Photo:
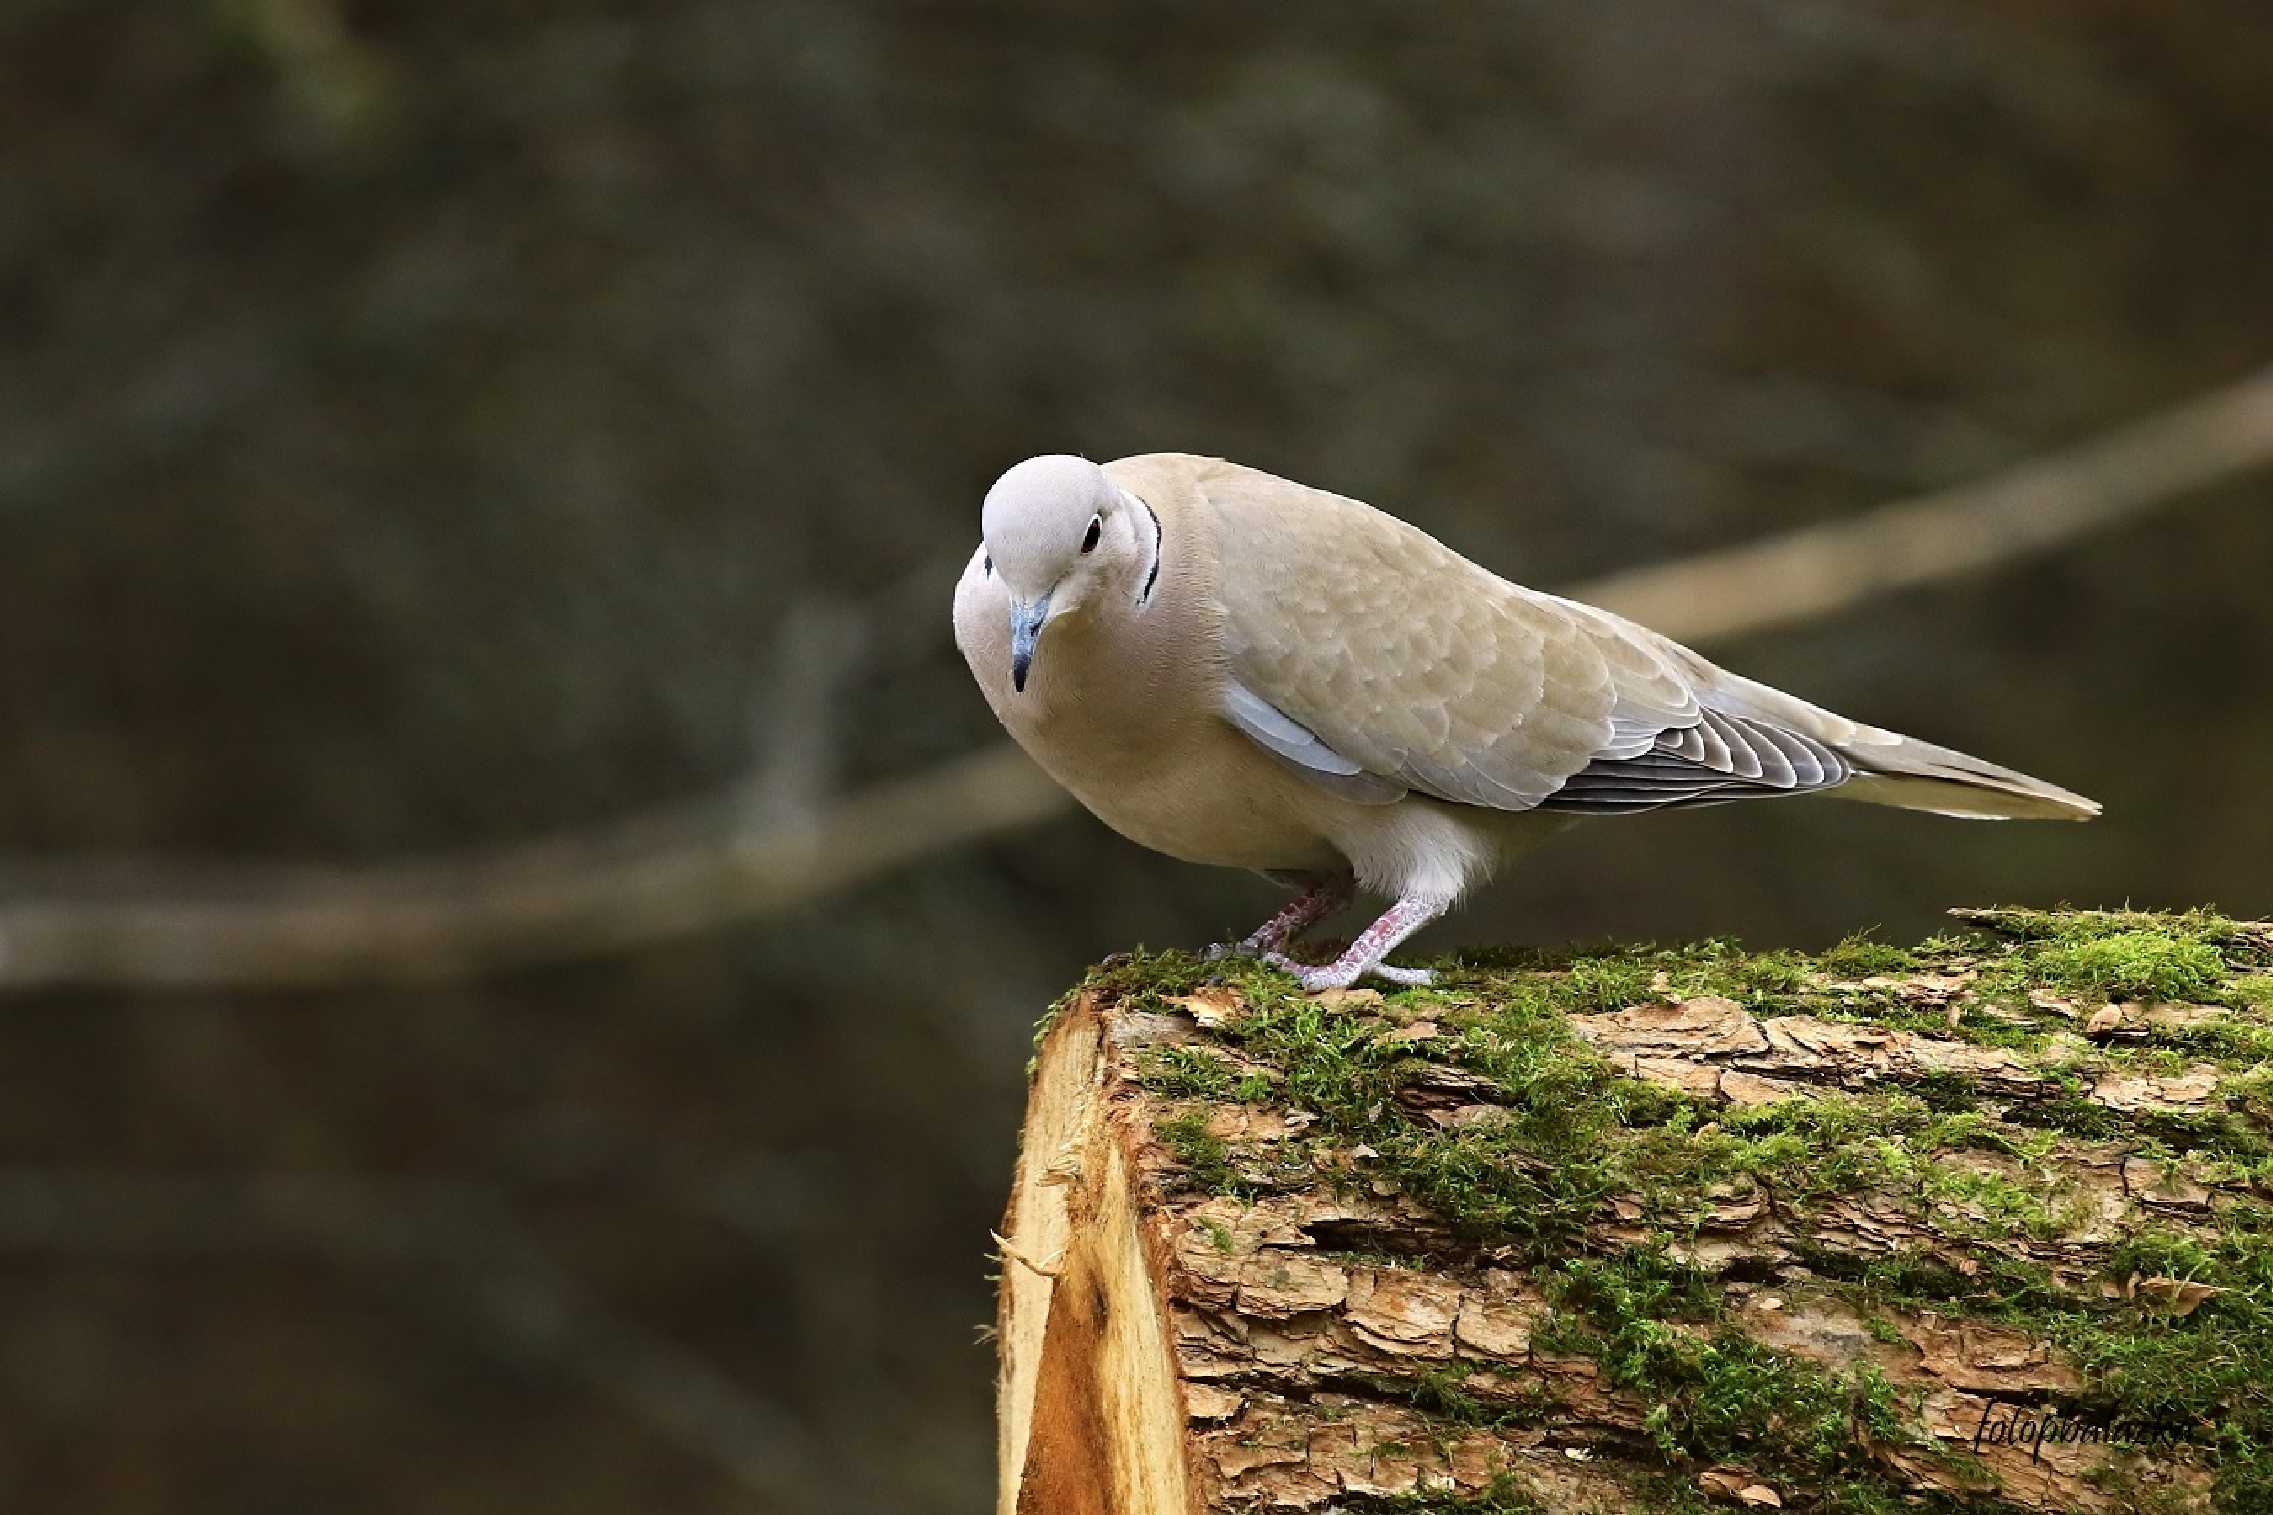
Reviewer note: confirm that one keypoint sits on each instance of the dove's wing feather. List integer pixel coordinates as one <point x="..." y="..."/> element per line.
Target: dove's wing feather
<point x="1404" y="659"/>
<point x="1271" y="729"/>
<point x="1359" y="645"/>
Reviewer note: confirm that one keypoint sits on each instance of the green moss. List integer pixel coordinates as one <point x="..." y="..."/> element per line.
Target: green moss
<point x="1367" y="1257"/>
<point x="2147" y="964"/>
<point x="1441" y="1393"/>
<point x="1997" y="1285"/>
<point x="2204" y="1372"/>
<point x="2045" y="1210"/>
<point x="2251" y="1095"/>
<point x="2067" y="927"/>
<point x="2087" y="958"/>
<point x="1654" y="1327"/>
<point x="1188" y="1071"/>
<point x="1204" y="1157"/>
<point x="2236" y="1134"/>
<point x="1603" y="983"/>
<point x="1502" y="1498"/>
<point x="2143" y="1364"/>
<point x="1950" y="1093"/>
<point x="1859" y="956"/>
<point x="1145" y="976"/>
<point x="1876" y="1499"/>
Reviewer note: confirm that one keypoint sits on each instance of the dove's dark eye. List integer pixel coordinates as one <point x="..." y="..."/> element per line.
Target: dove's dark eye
<point x="1096" y="529"/>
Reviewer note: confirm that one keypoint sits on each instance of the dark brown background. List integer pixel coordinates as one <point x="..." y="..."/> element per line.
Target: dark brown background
<point x="427" y="425"/>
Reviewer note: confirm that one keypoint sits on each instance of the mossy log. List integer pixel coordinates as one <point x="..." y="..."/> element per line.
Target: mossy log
<point x="1984" y="1225"/>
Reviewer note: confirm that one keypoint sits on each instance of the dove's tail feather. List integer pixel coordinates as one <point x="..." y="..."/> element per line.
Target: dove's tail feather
<point x="1915" y="775"/>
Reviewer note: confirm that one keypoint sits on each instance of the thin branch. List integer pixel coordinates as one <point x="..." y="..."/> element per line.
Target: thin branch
<point x="699" y="868"/>
<point x="818" y="647"/>
<point x="2039" y="505"/>
<point x="578" y="895"/>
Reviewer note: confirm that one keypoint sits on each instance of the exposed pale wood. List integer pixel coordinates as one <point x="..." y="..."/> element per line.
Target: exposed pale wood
<point x="1091" y="1416"/>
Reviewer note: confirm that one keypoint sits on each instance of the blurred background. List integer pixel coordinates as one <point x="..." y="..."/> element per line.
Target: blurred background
<point x="460" y="464"/>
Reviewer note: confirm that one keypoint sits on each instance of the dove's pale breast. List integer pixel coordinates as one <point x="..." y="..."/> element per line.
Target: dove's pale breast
<point x="1122" y="707"/>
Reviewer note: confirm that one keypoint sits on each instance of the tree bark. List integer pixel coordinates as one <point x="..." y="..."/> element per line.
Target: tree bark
<point x="1980" y="1226"/>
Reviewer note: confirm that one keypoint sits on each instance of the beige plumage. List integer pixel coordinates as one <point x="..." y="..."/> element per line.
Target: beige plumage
<point x="1236" y="669"/>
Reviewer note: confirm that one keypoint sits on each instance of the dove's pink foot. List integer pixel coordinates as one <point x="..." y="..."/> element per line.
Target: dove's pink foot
<point x="1365" y="956"/>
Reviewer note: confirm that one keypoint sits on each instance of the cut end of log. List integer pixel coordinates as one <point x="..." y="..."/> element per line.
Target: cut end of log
<point x="1983" y="1225"/>
<point x="1091" y="1416"/>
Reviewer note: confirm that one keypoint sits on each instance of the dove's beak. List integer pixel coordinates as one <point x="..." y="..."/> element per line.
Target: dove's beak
<point x="1025" y="625"/>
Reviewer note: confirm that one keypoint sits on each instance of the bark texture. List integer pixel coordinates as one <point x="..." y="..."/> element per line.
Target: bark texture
<point x="1981" y="1225"/>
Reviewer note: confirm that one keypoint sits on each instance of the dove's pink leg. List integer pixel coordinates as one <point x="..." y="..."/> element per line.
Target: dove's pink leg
<point x="1321" y="898"/>
<point x="1365" y="956"/>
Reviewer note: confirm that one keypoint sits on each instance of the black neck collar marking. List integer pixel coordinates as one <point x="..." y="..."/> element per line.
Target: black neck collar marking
<point x="1151" y="578"/>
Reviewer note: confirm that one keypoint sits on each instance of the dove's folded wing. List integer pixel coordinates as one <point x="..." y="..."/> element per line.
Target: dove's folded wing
<point x="1360" y="648"/>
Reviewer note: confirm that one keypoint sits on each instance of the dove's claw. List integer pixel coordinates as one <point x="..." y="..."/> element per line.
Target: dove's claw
<point x="1366" y="953"/>
<point x="1313" y="976"/>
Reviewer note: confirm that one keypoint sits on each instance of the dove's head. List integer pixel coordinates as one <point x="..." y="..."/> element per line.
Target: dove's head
<point x="1063" y="539"/>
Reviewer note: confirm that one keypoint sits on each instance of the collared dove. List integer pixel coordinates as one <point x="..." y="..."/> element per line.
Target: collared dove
<point x="1236" y="669"/>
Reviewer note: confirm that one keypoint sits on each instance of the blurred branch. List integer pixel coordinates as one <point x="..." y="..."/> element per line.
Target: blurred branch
<point x="456" y="1242"/>
<point x="579" y="895"/>
<point x="1821" y="570"/>
<point x="821" y="646"/>
<point x="691" y="870"/>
